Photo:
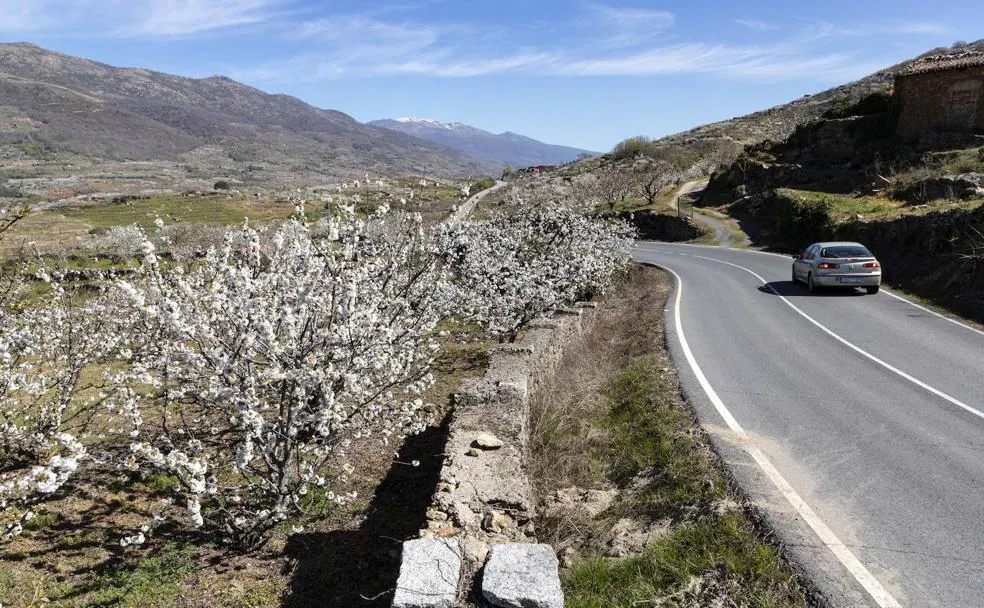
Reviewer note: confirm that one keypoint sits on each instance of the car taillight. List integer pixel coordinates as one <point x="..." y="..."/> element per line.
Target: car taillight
<point x="872" y="265"/>
<point x="828" y="266"/>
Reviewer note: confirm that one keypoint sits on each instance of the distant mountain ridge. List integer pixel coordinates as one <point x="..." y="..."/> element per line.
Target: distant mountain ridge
<point x="97" y="110"/>
<point x="505" y="148"/>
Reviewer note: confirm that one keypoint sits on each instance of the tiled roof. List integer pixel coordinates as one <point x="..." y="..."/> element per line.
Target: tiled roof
<point x="939" y="63"/>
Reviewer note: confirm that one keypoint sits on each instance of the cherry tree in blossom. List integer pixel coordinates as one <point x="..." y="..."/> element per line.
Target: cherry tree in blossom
<point x="274" y="353"/>
<point x="48" y="404"/>
<point x="538" y="254"/>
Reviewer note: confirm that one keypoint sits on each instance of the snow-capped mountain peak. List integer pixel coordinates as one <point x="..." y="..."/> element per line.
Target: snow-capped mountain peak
<point x="505" y="148"/>
<point x="430" y="122"/>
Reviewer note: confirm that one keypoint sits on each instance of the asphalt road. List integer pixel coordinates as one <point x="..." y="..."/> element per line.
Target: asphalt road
<point x="868" y="409"/>
<point x="466" y="208"/>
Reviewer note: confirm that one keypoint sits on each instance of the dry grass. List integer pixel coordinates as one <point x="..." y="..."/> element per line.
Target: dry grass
<point x="567" y="413"/>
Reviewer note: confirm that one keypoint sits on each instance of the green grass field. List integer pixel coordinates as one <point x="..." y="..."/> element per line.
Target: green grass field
<point x="62" y="228"/>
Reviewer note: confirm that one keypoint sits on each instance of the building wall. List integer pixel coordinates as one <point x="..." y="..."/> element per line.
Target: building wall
<point x="951" y="100"/>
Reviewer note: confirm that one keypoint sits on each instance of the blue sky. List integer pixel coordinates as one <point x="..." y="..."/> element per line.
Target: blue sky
<point x="584" y="73"/>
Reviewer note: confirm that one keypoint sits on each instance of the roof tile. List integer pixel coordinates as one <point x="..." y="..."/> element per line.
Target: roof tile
<point x="940" y="63"/>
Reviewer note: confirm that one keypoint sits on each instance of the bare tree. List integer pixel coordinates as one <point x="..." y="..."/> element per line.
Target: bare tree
<point x="653" y="177"/>
<point x="614" y="185"/>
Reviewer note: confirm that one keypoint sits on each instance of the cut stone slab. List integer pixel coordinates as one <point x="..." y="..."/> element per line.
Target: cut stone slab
<point x="522" y="576"/>
<point x="429" y="573"/>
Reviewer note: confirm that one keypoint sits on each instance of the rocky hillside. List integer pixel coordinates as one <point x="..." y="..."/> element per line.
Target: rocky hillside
<point x="505" y="148"/>
<point x="58" y="103"/>
<point x="721" y="142"/>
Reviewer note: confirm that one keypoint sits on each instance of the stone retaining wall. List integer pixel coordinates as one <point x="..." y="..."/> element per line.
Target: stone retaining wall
<point x="482" y="513"/>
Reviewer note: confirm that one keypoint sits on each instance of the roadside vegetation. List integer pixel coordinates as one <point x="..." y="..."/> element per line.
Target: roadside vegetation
<point x="654" y="519"/>
<point x="260" y="421"/>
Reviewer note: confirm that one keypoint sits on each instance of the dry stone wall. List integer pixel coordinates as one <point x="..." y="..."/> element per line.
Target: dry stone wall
<point x="484" y="505"/>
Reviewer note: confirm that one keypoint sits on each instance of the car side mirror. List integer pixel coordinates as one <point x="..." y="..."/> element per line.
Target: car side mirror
<point x="797" y="256"/>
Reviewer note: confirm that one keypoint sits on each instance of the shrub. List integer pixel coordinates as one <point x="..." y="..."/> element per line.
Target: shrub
<point x="632" y="147"/>
<point x="876" y="103"/>
<point x="482" y="184"/>
<point x="221" y="185"/>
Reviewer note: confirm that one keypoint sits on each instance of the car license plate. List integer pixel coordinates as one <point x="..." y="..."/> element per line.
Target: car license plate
<point x="849" y="279"/>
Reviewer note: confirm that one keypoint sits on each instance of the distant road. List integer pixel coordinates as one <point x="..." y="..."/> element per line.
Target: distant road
<point x="722" y="236"/>
<point x="466" y="208"/>
<point x="856" y="422"/>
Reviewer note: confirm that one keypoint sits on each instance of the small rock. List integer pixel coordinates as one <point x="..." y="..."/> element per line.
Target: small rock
<point x="522" y="575"/>
<point x="464" y="516"/>
<point x="495" y="522"/>
<point x="435" y="515"/>
<point x="488" y="441"/>
<point x="475" y="550"/>
<point x="473" y="452"/>
<point x="445" y="487"/>
<point x="437" y="526"/>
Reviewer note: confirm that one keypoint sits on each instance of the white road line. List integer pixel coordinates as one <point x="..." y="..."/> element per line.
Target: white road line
<point x="860" y="573"/>
<point x="884" y="291"/>
<point x="853" y="347"/>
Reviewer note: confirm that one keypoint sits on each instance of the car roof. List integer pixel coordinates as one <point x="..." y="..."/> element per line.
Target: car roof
<point x="839" y="244"/>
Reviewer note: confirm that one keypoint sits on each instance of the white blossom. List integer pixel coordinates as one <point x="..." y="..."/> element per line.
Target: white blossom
<point x="274" y="350"/>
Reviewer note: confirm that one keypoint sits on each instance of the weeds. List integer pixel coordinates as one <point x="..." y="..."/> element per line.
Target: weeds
<point x="153" y="581"/>
<point x="716" y="561"/>
<point x="653" y="434"/>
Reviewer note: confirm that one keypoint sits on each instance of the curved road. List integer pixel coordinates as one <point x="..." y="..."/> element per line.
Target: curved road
<point x="722" y="236"/>
<point x="468" y="206"/>
<point x="855" y="422"/>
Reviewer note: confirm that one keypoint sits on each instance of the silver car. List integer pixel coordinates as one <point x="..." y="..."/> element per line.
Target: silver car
<point x="837" y="264"/>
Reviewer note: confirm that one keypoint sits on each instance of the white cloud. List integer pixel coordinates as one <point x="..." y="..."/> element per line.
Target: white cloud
<point x="184" y="17"/>
<point x="456" y="68"/>
<point x="313" y="67"/>
<point x="775" y="62"/>
<point x="597" y="39"/>
<point x="825" y="29"/>
<point x="629" y="18"/>
<point x="620" y="27"/>
<point x="754" y="24"/>
<point x="133" y="18"/>
<point x="29" y="15"/>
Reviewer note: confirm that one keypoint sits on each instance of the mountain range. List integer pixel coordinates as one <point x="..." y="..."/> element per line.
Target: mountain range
<point x="63" y="104"/>
<point x="505" y="148"/>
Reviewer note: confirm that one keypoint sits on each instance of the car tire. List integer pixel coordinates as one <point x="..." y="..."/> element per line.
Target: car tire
<point x="872" y="290"/>
<point x="810" y="285"/>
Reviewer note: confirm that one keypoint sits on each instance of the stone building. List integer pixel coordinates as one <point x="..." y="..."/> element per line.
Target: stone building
<point x="942" y="93"/>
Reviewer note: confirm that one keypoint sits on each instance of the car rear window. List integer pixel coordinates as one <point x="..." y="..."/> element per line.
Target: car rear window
<point x="845" y="251"/>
